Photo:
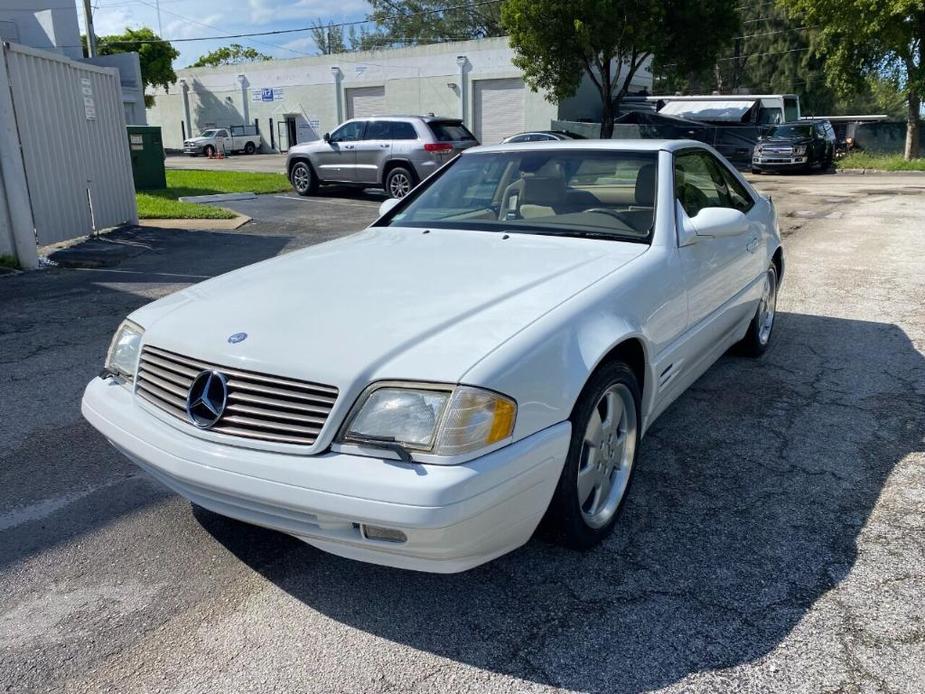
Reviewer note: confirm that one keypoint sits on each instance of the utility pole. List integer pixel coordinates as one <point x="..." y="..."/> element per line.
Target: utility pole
<point x="160" y="29"/>
<point x="91" y="36"/>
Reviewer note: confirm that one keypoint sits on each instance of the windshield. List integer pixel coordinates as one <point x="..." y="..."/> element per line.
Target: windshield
<point x="589" y="193"/>
<point x="208" y="133"/>
<point x="791" y="131"/>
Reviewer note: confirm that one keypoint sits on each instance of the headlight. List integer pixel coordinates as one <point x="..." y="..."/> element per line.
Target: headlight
<point x="799" y="149"/>
<point x="123" y="351"/>
<point x="442" y="420"/>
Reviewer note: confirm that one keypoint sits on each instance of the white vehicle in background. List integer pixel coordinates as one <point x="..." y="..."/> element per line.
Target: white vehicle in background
<point x="237" y="138"/>
<point x="489" y="353"/>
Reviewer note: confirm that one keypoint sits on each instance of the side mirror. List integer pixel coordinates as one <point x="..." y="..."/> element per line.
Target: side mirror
<point x="387" y="205"/>
<point x="326" y="137"/>
<point x="719" y="221"/>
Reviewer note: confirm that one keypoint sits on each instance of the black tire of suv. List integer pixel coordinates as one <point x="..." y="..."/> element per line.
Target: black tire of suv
<point x="249" y="148"/>
<point x="306" y="169"/>
<point x="394" y="174"/>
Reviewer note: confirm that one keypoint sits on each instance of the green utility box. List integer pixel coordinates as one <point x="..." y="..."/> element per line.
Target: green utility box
<point x="147" y="150"/>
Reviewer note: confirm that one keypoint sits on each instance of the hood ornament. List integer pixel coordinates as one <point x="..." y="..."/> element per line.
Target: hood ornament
<point x="237" y="337"/>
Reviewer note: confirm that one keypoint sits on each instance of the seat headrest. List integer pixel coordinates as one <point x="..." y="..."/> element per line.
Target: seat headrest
<point x="645" y="185"/>
<point x="543" y="190"/>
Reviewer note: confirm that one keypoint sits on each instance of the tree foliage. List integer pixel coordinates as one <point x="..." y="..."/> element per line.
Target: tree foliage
<point x="155" y="55"/>
<point x="328" y="38"/>
<point x="235" y="54"/>
<point x="412" y="22"/>
<point x="860" y="40"/>
<point x="557" y="43"/>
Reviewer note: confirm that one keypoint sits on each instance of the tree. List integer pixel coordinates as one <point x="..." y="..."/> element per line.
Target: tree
<point x="234" y="54"/>
<point x="328" y="38"/>
<point x="556" y="42"/>
<point x="862" y="40"/>
<point x="411" y="22"/>
<point x="155" y="55"/>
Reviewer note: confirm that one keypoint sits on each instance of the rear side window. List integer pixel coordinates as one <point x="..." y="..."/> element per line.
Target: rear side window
<point x="378" y="130"/>
<point x="402" y="131"/>
<point x="449" y="131"/>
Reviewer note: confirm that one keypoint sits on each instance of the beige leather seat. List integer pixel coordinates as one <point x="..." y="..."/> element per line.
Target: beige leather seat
<point x="535" y="194"/>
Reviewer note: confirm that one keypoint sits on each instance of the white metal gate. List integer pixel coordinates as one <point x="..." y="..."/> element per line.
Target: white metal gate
<point x="499" y="109"/>
<point x="71" y="127"/>
<point x="363" y="102"/>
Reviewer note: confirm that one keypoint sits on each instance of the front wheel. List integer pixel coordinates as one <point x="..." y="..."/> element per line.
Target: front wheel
<point x="209" y="151"/>
<point x="760" y="331"/>
<point x="599" y="465"/>
<point x="303" y="178"/>
<point x="399" y="182"/>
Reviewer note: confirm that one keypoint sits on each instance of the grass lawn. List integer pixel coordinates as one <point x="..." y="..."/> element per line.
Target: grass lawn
<point x="163" y="204"/>
<point x="883" y="162"/>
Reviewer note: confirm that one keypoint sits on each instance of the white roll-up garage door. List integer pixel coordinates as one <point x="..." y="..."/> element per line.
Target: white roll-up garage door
<point x="499" y="109"/>
<point x="363" y="102"/>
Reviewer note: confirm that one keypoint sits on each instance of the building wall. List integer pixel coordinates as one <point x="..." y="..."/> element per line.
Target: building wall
<point x="46" y="24"/>
<point x="417" y="80"/>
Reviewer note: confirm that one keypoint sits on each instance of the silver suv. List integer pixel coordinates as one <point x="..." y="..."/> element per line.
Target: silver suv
<point x="391" y="152"/>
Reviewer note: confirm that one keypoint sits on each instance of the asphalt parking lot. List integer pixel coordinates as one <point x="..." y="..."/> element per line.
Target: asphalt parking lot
<point x="774" y="539"/>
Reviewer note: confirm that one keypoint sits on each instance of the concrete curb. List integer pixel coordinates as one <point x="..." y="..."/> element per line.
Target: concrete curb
<point x="218" y="197"/>
<point x="877" y="172"/>
<point x="194" y="224"/>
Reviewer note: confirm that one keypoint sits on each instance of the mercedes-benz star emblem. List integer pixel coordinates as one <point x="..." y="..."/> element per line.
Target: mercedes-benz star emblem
<point x="207" y="398"/>
<point x="237" y="337"/>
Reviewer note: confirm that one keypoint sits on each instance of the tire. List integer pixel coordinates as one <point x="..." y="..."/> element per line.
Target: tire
<point x="760" y="333"/>
<point x="209" y="151"/>
<point x="611" y="395"/>
<point x="303" y="178"/>
<point x="249" y="148"/>
<point x="755" y="171"/>
<point x="399" y="182"/>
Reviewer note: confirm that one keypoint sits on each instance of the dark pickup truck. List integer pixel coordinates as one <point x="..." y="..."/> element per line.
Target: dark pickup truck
<point x="799" y="145"/>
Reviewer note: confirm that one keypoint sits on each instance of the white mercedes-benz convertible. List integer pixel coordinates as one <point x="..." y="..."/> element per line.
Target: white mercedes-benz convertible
<point x="486" y="356"/>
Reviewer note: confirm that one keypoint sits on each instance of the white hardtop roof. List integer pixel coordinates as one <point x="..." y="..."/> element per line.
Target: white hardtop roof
<point x="637" y="145"/>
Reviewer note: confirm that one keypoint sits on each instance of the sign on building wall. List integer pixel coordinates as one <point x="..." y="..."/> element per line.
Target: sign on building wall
<point x="86" y="89"/>
<point x="267" y="94"/>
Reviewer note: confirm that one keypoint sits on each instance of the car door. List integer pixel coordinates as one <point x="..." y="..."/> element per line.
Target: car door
<point x="336" y="161"/>
<point x="717" y="270"/>
<point x="373" y="151"/>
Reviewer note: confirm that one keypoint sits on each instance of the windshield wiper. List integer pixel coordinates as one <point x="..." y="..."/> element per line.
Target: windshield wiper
<point x="386" y="443"/>
<point x="576" y="233"/>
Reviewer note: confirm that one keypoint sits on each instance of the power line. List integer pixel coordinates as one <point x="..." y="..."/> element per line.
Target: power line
<point x="278" y="32"/>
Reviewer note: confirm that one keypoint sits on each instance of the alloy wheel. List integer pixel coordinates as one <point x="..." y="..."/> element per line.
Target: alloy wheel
<point x="607" y="454"/>
<point x="767" y="307"/>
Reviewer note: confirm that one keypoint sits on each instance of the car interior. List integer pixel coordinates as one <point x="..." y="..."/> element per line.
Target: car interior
<point x="615" y="193"/>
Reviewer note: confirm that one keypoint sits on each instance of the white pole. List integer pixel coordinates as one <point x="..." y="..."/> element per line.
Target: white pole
<point x="14" y="176"/>
<point x="91" y="36"/>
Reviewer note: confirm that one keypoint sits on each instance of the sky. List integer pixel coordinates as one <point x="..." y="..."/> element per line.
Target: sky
<point x="196" y="18"/>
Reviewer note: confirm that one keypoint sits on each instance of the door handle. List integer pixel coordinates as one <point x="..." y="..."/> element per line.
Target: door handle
<point x="752" y="245"/>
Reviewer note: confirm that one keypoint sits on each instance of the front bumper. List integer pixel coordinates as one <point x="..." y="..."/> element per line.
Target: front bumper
<point x="771" y="162"/>
<point x="192" y="149"/>
<point x="454" y="517"/>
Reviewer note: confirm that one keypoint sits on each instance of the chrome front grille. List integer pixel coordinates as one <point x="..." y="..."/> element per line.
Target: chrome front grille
<point x="263" y="407"/>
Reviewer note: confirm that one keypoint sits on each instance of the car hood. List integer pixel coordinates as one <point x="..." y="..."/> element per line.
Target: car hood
<point x="195" y="140"/>
<point x="387" y="302"/>
<point x="785" y="141"/>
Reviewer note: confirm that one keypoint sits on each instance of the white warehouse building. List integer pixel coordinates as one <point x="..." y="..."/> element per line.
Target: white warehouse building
<point x="299" y="100"/>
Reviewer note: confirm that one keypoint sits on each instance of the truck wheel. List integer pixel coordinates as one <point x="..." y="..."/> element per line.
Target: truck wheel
<point x="249" y="148"/>
<point x="303" y="178"/>
<point x="209" y="151"/>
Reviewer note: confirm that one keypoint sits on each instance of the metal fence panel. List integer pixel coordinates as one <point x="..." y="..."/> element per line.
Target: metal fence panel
<point x="75" y="150"/>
